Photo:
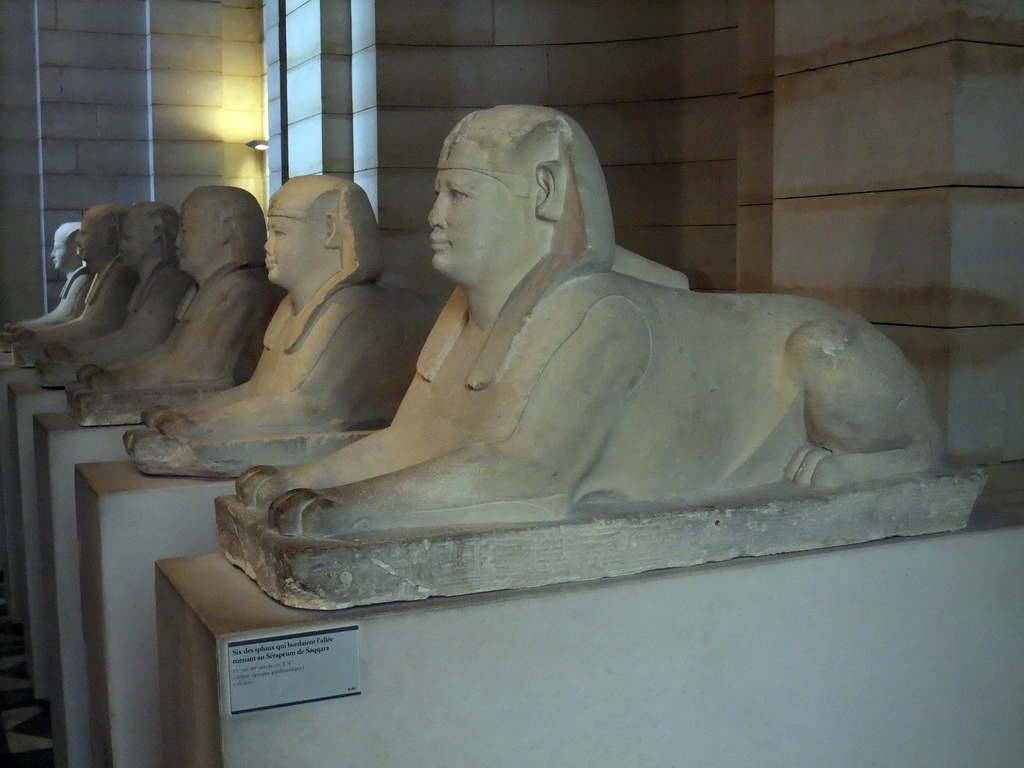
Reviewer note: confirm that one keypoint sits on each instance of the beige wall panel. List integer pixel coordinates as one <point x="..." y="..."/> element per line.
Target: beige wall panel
<point x="240" y="126"/>
<point x="439" y="22"/>
<point x="707" y="255"/>
<point x="989" y="118"/>
<point x="337" y="143"/>
<point x="238" y="58"/>
<point x="70" y="121"/>
<point x="407" y="258"/>
<point x="973" y="375"/>
<point x="677" y="130"/>
<point x="755" y="46"/>
<point x="673" y="194"/>
<point x="816" y="33"/>
<point x="102" y="86"/>
<point x="200" y="89"/>
<point x="472" y="77"/>
<point x="754" y="150"/>
<point x="241" y="92"/>
<point x="112" y="157"/>
<point x="336" y="83"/>
<point x="186" y="123"/>
<point x="242" y="24"/>
<point x="644" y="70"/>
<point x="305" y="90"/>
<point x="189" y="53"/>
<point x="242" y="162"/>
<point x="836" y="129"/>
<point x="754" y="248"/>
<point x="81" y="191"/>
<point x="169" y="17"/>
<point x="531" y="22"/>
<point x="404" y="198"/>
<point x="21" y="158"/>
<point x="89" y="49"/>
<point x="940" y="257"/>
<point x="59" y="155"/>
<point x="116" y="122"/>
<point x="188" y="158"/>
<point x="118" y="16"/>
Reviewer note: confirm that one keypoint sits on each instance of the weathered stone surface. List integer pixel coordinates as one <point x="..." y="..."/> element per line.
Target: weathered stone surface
<point x="603" y="540"/>
<point x="157" y="454"/>
<point x="125" y="406"/>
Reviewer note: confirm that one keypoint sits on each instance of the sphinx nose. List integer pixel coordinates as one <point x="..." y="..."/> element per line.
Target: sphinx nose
<point x="436" y="216"/>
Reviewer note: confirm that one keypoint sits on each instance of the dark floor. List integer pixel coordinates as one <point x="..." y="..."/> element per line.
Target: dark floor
<point x="25" y="738"/>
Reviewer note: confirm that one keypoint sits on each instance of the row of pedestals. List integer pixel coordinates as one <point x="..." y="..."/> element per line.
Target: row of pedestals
<point x="899" y="652"/>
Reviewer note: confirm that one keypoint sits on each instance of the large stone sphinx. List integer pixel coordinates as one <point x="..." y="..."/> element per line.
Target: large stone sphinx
<point x="337" y="357"/>
<point x="106" y="301"/>
<point x="71" y="300"/>
<point x="569" y="421"/>
<point x="216" y="341"/>
<point x="148" y="248"/>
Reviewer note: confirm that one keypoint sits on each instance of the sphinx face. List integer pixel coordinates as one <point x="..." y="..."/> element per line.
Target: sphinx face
<point x="65" y="254"/>
<point x="480" y="231"/>
<point x="97" y="240"/>
<point x="291" y="243"/>
<point x="138" y="240"/>
<point x="200" y="237"/>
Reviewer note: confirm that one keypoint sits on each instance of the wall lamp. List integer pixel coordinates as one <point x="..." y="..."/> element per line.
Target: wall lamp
<point x="260" y="144"/>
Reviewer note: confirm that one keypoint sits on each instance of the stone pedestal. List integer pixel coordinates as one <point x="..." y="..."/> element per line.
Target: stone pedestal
<point x="60" y="444"/>
<point x="126" y="521"/>
<point x="8" y="375"/>
<point x="902" y="652"/>
<point x="25" y="401"/>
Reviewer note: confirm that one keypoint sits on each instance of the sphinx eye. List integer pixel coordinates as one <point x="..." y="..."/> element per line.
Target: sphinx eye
<point x="457" y="194"/>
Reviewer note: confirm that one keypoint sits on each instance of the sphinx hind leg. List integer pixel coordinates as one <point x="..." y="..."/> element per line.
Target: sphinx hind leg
<point x="865" y="408"/>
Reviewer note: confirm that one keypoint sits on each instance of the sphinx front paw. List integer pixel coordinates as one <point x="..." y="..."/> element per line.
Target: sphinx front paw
<point x="258" y="486"/>
<point x="305" y="512"/>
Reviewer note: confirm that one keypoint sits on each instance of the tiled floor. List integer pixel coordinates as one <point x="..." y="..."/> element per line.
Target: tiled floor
<point x="25" y="739"/>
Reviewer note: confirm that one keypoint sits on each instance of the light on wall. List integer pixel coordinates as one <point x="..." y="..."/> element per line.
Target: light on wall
<point x="260" y="144"/>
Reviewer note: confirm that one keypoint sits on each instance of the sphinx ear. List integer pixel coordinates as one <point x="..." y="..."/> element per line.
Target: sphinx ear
<point x="227" y="227"/>
<point x="332" y="230"/>
<point x="550" y="191"/>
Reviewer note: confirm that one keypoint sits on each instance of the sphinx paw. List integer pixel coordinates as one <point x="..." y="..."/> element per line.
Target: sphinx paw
<point x="258" y="486"/>
<point x="803" y="468"/>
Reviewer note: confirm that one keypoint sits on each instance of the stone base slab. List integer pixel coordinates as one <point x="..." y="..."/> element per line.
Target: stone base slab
<point x="103" y="408"/>
<point x="156" y="454"/>
<point x="612" y="540"/>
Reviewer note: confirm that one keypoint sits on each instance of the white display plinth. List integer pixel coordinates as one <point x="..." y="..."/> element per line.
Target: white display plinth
<point x="60" y="444"/>
<point x="126" y="521"/>
<point x="894" y="653"/>
<point x="8" y="375"/>
<point x="27" y="400"/>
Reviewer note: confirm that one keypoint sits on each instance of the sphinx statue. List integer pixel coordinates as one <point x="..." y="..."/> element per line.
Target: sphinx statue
<point x="554" y="379"/>
<point x="148" y="248"/>
<point x="106" y="301"/>
<point x="71" y="300"/>
<point x="337" y="356"/>
<point x="215" y="343"/>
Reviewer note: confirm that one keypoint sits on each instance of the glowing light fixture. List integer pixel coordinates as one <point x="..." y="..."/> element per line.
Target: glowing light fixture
<point x="260" y="144"/>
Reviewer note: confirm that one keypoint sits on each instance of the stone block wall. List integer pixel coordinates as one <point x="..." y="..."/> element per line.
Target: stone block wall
<point x="899" y="190"/>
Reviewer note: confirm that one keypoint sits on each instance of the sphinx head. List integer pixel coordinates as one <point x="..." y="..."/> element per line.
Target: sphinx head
<point x="100" y="235"/>
<point x="321" y="228"/>
<point x="220" y="226"/>
<point x="519" y="192"/>
<point x="149" y="233"/>
<point x="65" y="255"/>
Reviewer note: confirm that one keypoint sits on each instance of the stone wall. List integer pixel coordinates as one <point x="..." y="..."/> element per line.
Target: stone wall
<point x="899" y="190"/>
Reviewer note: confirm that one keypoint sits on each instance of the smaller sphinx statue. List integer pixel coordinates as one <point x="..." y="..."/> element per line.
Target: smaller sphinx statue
<point x="216" y="340"/>
<point x="71" y="300"/>
<point x="106" y="301"/>
<point x="147" y="247"/>
<point x="337" y="356"/>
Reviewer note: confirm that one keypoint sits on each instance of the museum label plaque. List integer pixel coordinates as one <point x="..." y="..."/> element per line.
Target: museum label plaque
<point x="278" y="671"/>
